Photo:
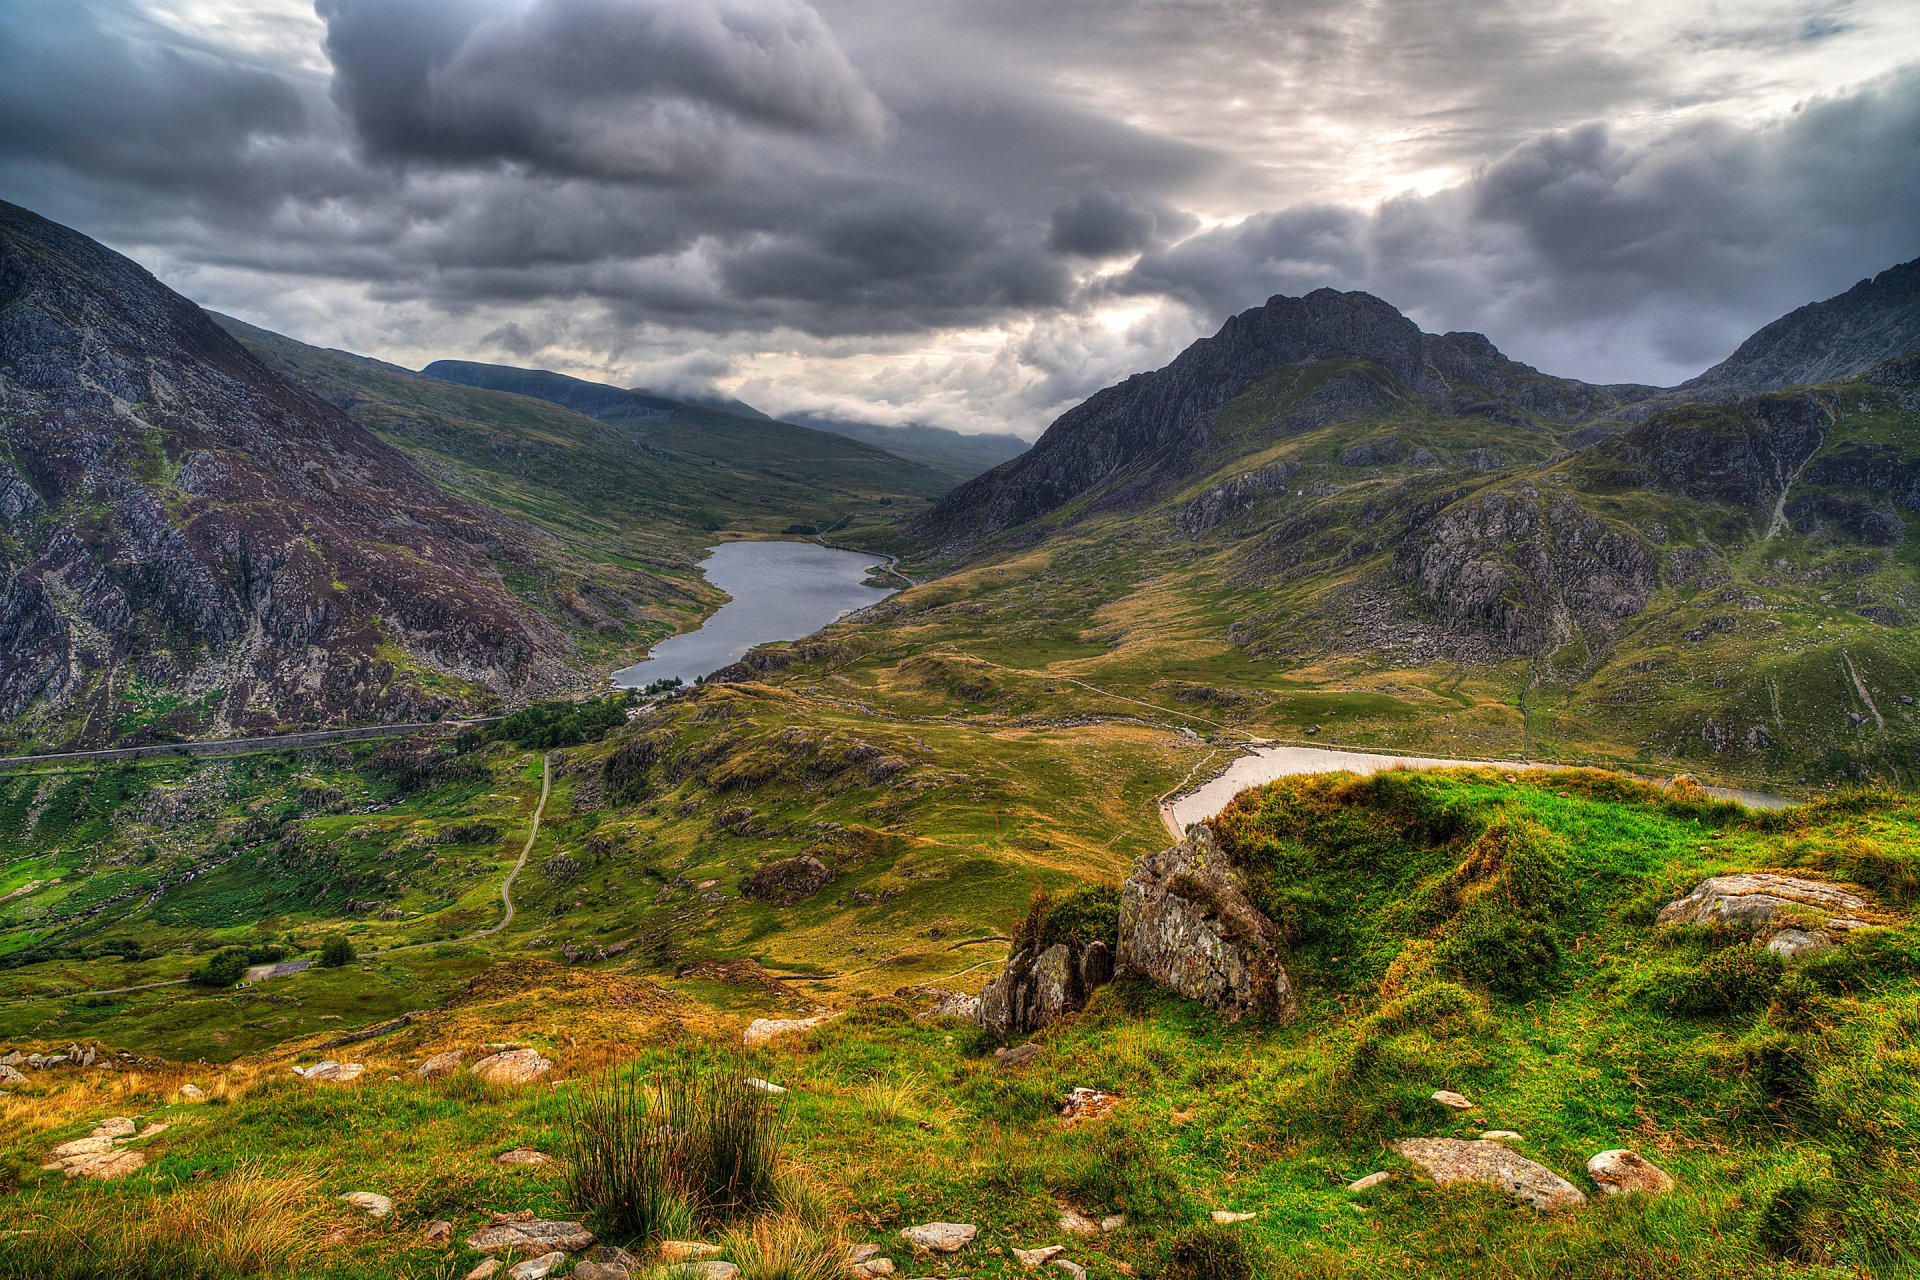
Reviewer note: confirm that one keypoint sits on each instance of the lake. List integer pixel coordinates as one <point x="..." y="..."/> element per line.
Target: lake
<point x="780" y="590"/>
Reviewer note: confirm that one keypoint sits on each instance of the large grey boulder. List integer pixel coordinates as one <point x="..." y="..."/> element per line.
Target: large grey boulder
<point x="1801" y="915"/>
<point x="1186" y="922"/>
<point x="1038" y="988"/>
<point x="1490" y="1164"/>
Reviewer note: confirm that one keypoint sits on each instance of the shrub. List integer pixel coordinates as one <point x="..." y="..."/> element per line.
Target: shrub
<point x="222" y="969"/>
<point x="1091" y="913"/>
<point x="1207" y="1252"/>
<point x="1736" y="980"/>
<point x="547" y="725"/>
<point x="338" y="951"/>
<point x="653" y="1153"/>
<point x="786" y="1248"/>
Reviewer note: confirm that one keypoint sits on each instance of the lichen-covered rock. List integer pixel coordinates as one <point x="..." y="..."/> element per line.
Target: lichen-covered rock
<point x="1620" y="1172"/>
<point x="1034" y="990"/>
<point x="1186" y="922"/>
<point x="1800" y="914"/>
<point x="531" y="1235"/>
<point x="1490" y="1164"/>
<point x="440" y="1064"/>
<point x="941" y="1237"/>
<point x="765" y="1030"/>
<point x="514" y="1066"/>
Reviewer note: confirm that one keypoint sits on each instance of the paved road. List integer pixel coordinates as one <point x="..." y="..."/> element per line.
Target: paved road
<point x="240" y="746"/>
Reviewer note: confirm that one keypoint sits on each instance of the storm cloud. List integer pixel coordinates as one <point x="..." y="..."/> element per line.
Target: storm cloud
<point x="978" y="212"/>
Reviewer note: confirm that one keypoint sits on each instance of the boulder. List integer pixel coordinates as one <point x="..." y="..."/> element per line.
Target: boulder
<point x="1186" y="922"/>
<point x="371" y="1201"/>
<point x="1031" y="1258"/>
<point x="765" y="1030"/>
<point x="531" y="1235"/>
<point x="11" y="1075"/>
<point x="1448" y="1160"/>
<point x="539" y="1268"/>
<point x="1620" y="1172"/>
<point x="788" y="881"/>
<point x="1802" y="915"/>
<point x="1088" y="1104"/>
<point x="440" y="1064"/>
<point x="192" y="1092"/>
<point x="513" y="1066"/>
<point x="330" y="1072"/>
<point x="523" y="1156"/>
<point x="940" y="1237"/>
<point x="1018" y="1056"/>
<point x="1038" y="987"/>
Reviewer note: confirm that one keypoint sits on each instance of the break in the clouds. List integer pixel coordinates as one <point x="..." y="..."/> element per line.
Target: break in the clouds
<point x="969" y="212"/>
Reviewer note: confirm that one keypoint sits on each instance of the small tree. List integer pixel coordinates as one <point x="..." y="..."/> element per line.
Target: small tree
<point x="336" y="952"/>
<point x="222" y="969"/>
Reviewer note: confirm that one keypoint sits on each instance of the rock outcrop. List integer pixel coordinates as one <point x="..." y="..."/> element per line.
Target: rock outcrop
<point x="512" y="1066"/>
<point x="1186" y="922"/>
<point x="1490" y="1164"/>
<point x="1043" y="985"/>
<point x="1620" y="1172"/>
<point x="1796" y="913"/>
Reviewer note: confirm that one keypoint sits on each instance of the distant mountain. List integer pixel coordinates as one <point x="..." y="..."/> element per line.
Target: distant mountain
<point x="1823" y="341"/>
<point x="956" y="453"/>
<point x="1322" y="492"/>
<point x="822" y="460"/>
<point x="191" y="542"/>
<point x="1150" y="428"/>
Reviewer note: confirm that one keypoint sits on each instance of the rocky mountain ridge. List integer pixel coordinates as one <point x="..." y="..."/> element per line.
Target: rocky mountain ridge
<point x="192" y="541"/>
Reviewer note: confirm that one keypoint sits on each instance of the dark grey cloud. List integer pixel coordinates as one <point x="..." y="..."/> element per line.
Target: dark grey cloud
<point x="621" y="89"/>
<point x="1600" y="258"/>
<point x="976" y="216"/>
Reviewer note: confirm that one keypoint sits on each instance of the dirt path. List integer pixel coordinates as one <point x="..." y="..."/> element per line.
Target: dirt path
<point x="533" y="833"/>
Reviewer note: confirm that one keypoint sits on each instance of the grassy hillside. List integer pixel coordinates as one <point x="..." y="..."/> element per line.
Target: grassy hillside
<point x="1782" y="1103"/>
<point x="630" y="505"/>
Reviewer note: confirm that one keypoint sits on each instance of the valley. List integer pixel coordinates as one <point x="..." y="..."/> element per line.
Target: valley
<point x="1040" y="856"/>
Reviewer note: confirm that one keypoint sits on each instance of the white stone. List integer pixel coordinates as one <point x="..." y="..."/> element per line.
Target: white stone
<point x="538" y="1268"/>
<point x="1369" y="1182"/>
<point x="1031" y="1258"/>
<point x="1226" y="1219"/>
<point x="941" y="1237"/>
<point x="372" y="1201"/>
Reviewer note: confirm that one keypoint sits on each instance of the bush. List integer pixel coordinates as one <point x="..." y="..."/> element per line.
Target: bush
<point x="1207" y="1252"/>
<point x="222" y="969"/>
<point x="336" y="952"/>
<point x="1737" y="980"/>
<point x="1090" y="913"/>
<point x="547" y="725"/>
<point x="652" y="1154"/>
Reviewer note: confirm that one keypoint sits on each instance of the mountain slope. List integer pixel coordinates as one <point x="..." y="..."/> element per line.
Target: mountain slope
<point x="814" y="461"/>
<point x="1823" y="341"/>
<point x="961" y="456"/>
<point x="1146" y="430"/>
<point x="190" y="540"/>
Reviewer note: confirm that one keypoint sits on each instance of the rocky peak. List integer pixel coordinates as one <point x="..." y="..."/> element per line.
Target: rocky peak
<point x="1845" y="336"/>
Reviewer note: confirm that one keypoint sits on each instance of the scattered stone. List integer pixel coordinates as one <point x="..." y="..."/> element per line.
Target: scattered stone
<point x="330" y="1072"/>
<point x="100" y="1154"/>
<point x="1186" y="922"/>
<point x="949" y="1004"/>
<point x="1369" y="1182"/>
<point x="940" y="1237"/>
<point x="484" y="1270"/>
<point x="702" y="1271"/>
<point x="764" y="1086"/>
<point x="373" y="1202"/>
<point x="1078" y="1223"/>
<point x="523" y="1155"/>
<point x="1018" y="1056"/>
<point x="1753" y="901"/>
<point x="537" y="1268"/>
<point x="439" y="1231"/>
<point x="514" y="1066"/>
<point x="688" y="1251"/>
<point x="530" y="1234"/>
<point x="873" y="1268"/>
<point x="12" y="1058"/>
<point x="1226" y="1219"/>
<point x="1448" y="1098"/>
<point x="1448" y="1160"/>
<point x="1113" y="1222"/>
<point x="115" y="1127"/>
<point x="1088" y="1104"/>
<point x="192" y="1092"/>
<point x="11" y="1075"/>
<point x="1501" y="1135"/>
<point x="600" y="1271"/>
<point x="614" y="1256"/>
<point x="440" y="1064"/>
<point x="1620" y="1172"/>
<point x="158" y="1126"/>
<point x="1031" y="1258"/>
<point x="765" y="1030"/>
<point x="1073" y="1269"/>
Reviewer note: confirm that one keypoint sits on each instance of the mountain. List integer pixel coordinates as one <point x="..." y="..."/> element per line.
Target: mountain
<point x="956" y="453"/>
<point x="1823" y="341"/>
<point x="1322" y="507"/>
<point x="193" y="542"/>
<point x="1132" y="438"/>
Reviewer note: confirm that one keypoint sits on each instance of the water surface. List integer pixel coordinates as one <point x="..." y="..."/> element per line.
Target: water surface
<point x="780" y="590"/>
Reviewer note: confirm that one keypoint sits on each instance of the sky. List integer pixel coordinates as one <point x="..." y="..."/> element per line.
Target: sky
<point x="970" y="213"/>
